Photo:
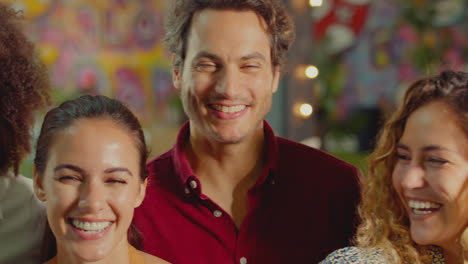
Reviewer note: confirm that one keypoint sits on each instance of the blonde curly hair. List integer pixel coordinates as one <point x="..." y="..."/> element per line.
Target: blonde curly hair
<point x="384" y="221"/>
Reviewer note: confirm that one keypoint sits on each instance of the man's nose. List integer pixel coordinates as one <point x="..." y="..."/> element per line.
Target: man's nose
<point x="228" y="82"/>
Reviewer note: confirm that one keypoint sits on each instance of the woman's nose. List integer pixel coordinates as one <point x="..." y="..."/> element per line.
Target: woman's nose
<point x="92" y="197"/>
<point x="413" y="177"/>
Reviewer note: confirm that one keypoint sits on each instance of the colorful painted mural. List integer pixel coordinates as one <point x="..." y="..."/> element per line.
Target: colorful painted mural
<point x="111" y="47"/>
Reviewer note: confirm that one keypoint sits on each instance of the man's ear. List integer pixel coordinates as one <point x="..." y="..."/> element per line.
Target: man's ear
<point x="176" y="73"/>
<point x="141" y="193"/>
<point x="38" y="186"/>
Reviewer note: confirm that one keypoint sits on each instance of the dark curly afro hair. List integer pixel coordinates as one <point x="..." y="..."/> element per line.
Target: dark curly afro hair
<point x="24" y="88"/>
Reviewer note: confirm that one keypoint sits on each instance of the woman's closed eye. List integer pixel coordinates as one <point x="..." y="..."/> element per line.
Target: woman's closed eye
<point x="402" y="156"/>
<point x="68" y="178"/>
<point x="116" y="180"/>
<point x="438" y="161"/>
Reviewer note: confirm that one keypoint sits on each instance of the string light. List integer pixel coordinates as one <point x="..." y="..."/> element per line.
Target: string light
<point x="303" y="110"/>
<point x="311" y="72"/>
<point x="306" y="110"/>
<point x="315" y="3"/>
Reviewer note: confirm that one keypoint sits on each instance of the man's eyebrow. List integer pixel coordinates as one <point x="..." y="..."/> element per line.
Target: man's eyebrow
<point x="253" y="55"/>
<point x="205" y="54"/>
<point x="118" y="169"/>
<point x="70" y="167"/>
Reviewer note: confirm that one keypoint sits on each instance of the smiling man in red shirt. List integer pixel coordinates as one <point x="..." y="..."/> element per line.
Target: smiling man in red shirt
<point x="230" y="191"/>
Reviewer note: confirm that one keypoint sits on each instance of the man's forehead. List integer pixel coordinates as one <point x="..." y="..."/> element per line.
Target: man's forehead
<point x="238" y="33"/>
<point x="207" y="15"/>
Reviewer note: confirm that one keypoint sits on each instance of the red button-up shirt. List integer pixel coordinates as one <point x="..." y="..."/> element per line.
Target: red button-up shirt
<point x="301" y="209"/>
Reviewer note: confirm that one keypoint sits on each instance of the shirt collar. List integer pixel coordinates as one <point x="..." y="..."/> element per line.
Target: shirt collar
<point x="182" y="167"/>
<point x="271" y="155"/>
<point x="185" y="172"/>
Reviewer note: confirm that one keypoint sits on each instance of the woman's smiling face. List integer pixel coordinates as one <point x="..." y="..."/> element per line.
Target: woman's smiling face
<point x="91" y="185"/>
<point x="431" y="175"/>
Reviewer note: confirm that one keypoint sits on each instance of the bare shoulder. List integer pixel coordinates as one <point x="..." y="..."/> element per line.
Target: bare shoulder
<point x="150" y="259"/>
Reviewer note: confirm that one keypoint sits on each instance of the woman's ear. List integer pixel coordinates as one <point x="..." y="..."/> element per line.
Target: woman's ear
<point x="38" y="186"/>
<point x="141" y="194"/>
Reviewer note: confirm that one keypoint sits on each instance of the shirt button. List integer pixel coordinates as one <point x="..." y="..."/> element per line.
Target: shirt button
<point x="193" y="184"/>
<point x="217" y="213"/>
<point x="243" y="260"/>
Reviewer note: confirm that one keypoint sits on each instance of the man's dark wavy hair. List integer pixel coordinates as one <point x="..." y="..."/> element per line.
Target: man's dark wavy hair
<point x="279" y="25"/>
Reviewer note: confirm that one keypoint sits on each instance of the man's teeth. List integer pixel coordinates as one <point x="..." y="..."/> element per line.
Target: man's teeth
<point x="419" y="207"/>
<point x="229" y="109"/>
<point x="93" y="227"/>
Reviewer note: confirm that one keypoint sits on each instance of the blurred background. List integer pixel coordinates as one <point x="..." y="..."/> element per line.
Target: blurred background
<point x="350" y="64"/>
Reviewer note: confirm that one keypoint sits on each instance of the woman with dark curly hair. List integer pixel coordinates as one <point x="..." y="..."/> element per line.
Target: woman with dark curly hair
<point x="24" y="88"/>
<point x="414" y="207"/>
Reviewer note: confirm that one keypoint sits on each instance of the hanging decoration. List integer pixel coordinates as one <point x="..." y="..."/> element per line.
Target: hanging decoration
<point x="340" y="21"/>
<point x="369" y="51"/>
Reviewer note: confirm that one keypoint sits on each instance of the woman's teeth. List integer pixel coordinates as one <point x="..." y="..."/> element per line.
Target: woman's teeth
<point x="419" y="207"/>
<point x="91" y="227"/>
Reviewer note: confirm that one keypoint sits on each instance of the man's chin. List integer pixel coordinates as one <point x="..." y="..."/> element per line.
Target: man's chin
<point x="229" y="140"/>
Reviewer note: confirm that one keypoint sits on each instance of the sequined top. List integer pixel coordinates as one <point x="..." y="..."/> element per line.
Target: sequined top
<point x="371" y="256"/>
<point x="134" y="256"/>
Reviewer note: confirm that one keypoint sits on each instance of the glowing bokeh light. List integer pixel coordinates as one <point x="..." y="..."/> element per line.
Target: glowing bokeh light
<point x="306" y="110"/>
<point x="311" y="72"/>
<point x="315" y="3"/>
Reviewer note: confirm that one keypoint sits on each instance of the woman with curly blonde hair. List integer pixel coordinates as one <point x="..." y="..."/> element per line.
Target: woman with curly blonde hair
<point x="414" y="206"/>
<point x="24" y="89"/>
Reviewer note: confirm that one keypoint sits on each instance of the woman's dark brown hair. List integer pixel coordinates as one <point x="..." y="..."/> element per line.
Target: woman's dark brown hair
<point x="67" y="114"/>
<point x="24" y="88"/>
<point x="279" y="25"/>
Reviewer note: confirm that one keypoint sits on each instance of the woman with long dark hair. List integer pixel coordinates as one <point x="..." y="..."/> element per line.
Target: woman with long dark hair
<point x="90" y="172"/>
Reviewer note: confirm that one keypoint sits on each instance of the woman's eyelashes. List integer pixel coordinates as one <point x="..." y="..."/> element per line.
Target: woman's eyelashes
<point x="116" y="181"/>
<point x="436" y="160"/>
<point x="403" y="157"/>
<point x="78" y="179"/>
<point x="69" y="178"/>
